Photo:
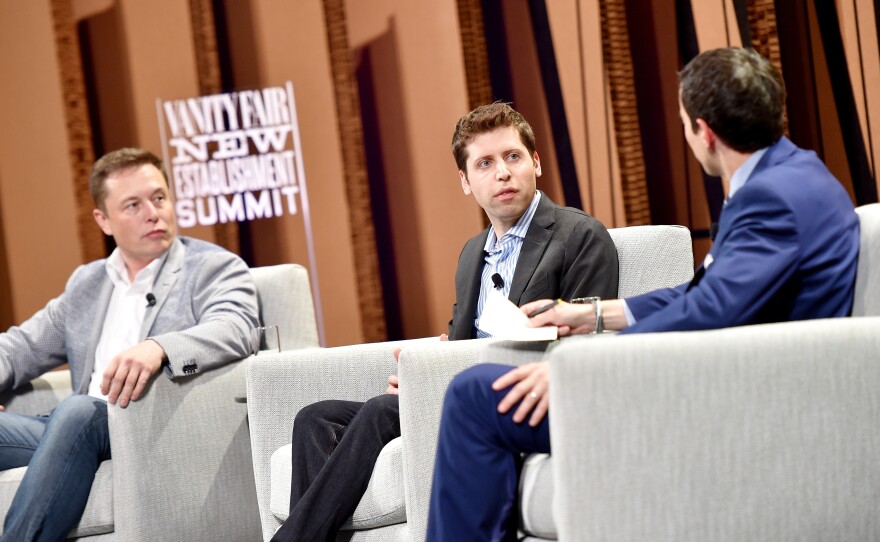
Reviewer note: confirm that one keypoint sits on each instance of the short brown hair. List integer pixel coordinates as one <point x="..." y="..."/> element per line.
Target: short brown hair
<point x="486" y="118"/>
<point x="115" y="161"/>
<point x="739" y="94"/>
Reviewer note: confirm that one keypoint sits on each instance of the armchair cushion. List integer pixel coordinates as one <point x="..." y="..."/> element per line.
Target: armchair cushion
<point x="97" y="518"/>
<point x="536" y="497"/>
<point x="381" y="505"/>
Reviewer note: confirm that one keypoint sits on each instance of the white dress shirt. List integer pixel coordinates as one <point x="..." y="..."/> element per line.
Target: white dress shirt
<point x="125" y="314"/>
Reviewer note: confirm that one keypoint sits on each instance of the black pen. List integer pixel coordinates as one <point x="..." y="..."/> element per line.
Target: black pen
<point x="545" y="308"/>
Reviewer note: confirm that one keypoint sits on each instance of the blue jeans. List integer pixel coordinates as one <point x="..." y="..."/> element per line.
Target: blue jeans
<point x="62" y="452"/>
<point x="476" y="471"/>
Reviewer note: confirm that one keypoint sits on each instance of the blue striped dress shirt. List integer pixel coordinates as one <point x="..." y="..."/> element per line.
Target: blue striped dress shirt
<point x="501" y="257"/>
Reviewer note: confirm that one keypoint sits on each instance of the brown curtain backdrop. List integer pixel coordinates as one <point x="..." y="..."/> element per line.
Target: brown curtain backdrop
<point x="79" y="132"/>
<point x="357" y="187"/>
<point x="618" y="63"/>
<point x="208" y="67"/>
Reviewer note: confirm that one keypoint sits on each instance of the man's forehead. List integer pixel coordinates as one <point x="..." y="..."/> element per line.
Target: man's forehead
<point x="137" y="178"/>
<point x="505" y="136"/>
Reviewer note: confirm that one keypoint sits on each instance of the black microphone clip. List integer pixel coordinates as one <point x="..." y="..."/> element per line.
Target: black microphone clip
<point x="151" y="300"/>
<point x="497" y="281"/>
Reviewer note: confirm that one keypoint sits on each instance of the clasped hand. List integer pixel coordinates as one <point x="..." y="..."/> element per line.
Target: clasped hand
<point x="530" y="387"/>
<point x="129" y="372"/>
<point x="530" y="384"/>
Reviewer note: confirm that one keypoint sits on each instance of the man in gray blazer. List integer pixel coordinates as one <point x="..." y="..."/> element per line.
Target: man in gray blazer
<point x="159" y="302"/>
<point x="533" y="249"/>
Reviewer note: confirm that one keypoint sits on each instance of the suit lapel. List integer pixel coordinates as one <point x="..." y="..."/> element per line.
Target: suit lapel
<point x="471" y="275"/>
<point x="95" y="313"/>
<point x="162" y="285"/>
<point x="535" y="243"/>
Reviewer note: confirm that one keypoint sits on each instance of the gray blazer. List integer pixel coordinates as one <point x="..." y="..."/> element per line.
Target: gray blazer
<point x="566" y="253"/>
<point x="205" y="307"/>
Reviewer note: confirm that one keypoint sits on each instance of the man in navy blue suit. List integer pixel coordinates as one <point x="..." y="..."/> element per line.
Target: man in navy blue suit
<point x="786" y="249"/>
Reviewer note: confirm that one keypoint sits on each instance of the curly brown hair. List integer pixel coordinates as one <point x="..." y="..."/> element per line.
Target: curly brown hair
<point x="486" y="118"/>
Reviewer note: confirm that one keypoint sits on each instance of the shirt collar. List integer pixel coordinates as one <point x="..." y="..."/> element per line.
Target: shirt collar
<point x="118" y="273"/>
<point x="743" y="172"/>
<point x="519" y="229"/>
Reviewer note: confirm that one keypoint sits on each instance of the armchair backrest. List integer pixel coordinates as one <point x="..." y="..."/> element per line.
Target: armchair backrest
<point x="652" y="257"/>
<point x="867" y="297"/>
<point x="285" y="300"/>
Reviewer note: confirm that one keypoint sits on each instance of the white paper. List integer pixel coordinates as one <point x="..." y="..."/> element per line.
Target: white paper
<point x="504" y="320"/>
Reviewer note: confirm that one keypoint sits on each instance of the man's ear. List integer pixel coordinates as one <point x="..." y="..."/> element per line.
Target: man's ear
<point x="707" y="134"/>
<point x="102" y="221"/>
<point x="465" y="185"/>
<point x="537" y="160"/>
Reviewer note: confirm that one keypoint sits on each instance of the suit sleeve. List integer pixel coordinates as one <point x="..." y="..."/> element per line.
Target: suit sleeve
<point x="648" y="303"/>
<point x="591" y="266"/>
<point x="459" y="327"/>
<point x="225" y="304"/>
<point x="38" y="345"/>
<point x="755" y="260"/>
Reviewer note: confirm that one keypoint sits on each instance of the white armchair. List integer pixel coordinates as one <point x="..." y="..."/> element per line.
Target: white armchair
<point x="396" y="503"/>
<point x="181" y="467"/>
<point x="765" y="432"/>
<point x="650" y="257"/>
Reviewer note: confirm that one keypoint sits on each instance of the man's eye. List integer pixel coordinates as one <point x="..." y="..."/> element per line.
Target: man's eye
<point x="483" y="163"/>
<point x="513" y="156"/>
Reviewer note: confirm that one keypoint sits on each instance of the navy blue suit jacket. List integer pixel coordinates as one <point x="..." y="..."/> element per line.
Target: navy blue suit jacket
<point x="787" y="249"/>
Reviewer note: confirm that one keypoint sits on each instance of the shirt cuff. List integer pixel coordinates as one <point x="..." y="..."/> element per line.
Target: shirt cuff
<point x="630" y="319"/>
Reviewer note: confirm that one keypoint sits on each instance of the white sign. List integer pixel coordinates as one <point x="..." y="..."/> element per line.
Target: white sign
<point x="233" y="157"/>
<point x="237" y="157"/>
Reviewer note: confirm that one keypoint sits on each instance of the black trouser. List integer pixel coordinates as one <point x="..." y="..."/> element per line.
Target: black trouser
<point x="335" y="446"/>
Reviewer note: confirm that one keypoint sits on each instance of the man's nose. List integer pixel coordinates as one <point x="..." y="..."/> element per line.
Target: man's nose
<point x="501" y="172"/>
<point x="152" y="212"/>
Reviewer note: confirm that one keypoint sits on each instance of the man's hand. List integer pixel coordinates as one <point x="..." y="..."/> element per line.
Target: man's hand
<point x="570" y="318"/>
<point x="392" y="388"/>
<point x="531" y="384"/>
<point x="129" y="372"/>
<point x="392" y="380"/>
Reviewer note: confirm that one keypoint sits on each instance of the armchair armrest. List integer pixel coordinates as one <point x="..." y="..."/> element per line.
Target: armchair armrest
<point x="182" y="461"/>
<point x="754" y="433"/>
<point x="280" y="384"/>
<point x="39" y="396"/>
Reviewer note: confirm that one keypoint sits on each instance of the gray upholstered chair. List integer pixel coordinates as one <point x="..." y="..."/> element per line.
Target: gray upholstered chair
<point x="396" y="503"/>
<point x="765" y="432"/>
<point x="181" y="467"/>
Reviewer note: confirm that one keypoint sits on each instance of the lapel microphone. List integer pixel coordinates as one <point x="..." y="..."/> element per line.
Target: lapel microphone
<point x="151" y="300"/>
<point x="497" y="281"/>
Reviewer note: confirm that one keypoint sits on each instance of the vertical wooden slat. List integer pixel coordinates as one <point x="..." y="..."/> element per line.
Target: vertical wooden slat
<point x="348" y="113"/>
<point x="618" y="63"/>
<point x="476" y="57"/>
<point x="764" y="35"/>
<point x="208" y="68"/>
<point x="79" y="132"/>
